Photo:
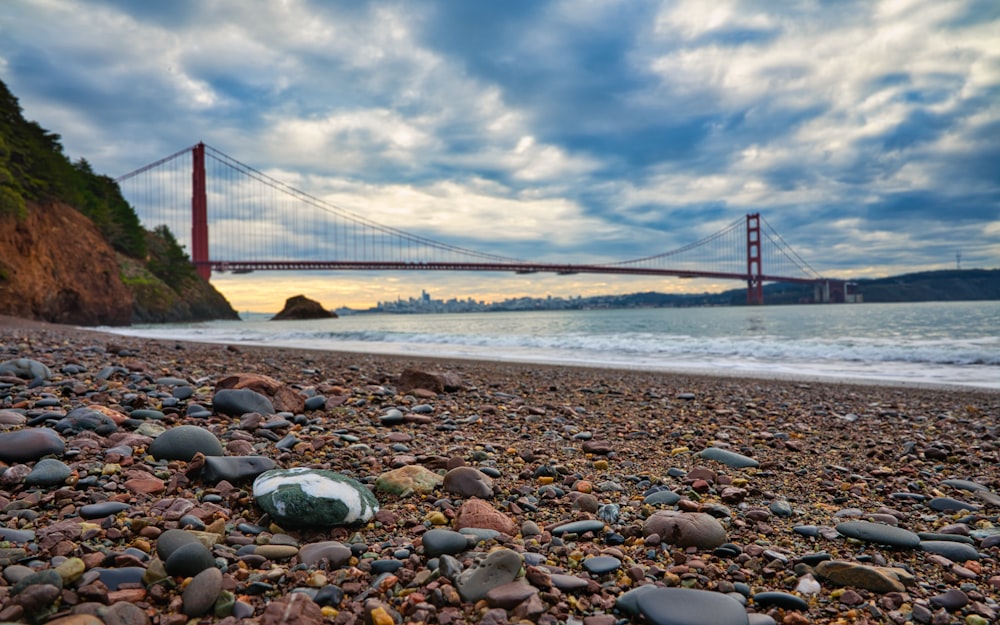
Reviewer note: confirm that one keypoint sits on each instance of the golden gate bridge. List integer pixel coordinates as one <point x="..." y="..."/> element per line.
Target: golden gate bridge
<point x="252" y="221"/>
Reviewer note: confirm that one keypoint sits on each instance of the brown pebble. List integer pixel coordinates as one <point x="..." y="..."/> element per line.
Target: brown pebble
<point x="476" y="513"/>
<point x="296" y="609"/>
<point x="37" y="597"/>
<point x="124" y="613"/>
<point x="77" y="619"/>
<point x="509" y="595"/>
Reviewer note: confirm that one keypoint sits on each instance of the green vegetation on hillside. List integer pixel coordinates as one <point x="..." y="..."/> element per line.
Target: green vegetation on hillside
<point x="35" y="175"/>
<point x="33" y="167"/>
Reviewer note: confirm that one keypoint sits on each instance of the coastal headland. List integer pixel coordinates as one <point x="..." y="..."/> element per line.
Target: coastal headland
<point x="550" y="494"/>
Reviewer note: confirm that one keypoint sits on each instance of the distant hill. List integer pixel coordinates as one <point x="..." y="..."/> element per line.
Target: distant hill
<point x="947" y="285"/>
<point x="940" y="286"/>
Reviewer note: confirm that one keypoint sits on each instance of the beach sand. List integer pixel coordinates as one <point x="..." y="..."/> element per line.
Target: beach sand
<point x="563" y="444"/>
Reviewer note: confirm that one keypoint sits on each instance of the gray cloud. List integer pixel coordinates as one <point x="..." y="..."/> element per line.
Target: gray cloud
<point x="866" y="132"/>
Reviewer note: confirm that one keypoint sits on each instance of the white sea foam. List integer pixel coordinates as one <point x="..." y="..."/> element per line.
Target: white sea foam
<point x="950" y="344"/>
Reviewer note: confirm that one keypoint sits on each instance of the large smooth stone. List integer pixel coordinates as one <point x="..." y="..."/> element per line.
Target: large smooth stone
<point x="26" y="369"/>
<point x="30" y="444"/>
<point x="628" y="602"/>
<point x="859" y="576"/>
<point x="579" y="527"/>
<point x="478" y="514"/>
<point x="409" y="480"/>
<point x="235" y="469"/>
<point x="103" y="509"/>
<point x="599" y="565"/>
<point x="687" y="606"/>
<point x="729" y="458"/>
<point x="508" y="596"/>
<point x="664" y="497"/>
<point x="10" y="418"/>
<point x="948" y="504"/>
<point x="498" y="568"/>
<point x="879" y="534"/>
<point x="190" y="559"/>
<point x="441" y="541"/>
<point x="686" y="529"/>
<point x="238" y="402"/>
<point x="967" y="485"/>
<point x="183" y="442"/>
<point x="48" y="472"/>
<point x="304" y="497"/>
<point x="780" y="599"/>
<point x="86" y="419"/>
<point x="115" y="577"/>
<point x="954" y="551"/>
<point x="283" y="397"/>
<point x="201" y="593"/>
<point x="468" y="482"/>
<point x="172" y="540"/>
<point x="331" y="551"/>
<point x="45" y="577"/>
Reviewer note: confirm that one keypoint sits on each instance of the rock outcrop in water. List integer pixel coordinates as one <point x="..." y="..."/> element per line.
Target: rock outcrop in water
<point x="301" y="307"/>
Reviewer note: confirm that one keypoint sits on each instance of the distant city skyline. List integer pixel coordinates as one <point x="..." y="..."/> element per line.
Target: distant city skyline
<point x="866" y="131"/>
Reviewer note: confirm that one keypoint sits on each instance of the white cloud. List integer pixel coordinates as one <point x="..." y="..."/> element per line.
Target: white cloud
<point x="788" y="108"/>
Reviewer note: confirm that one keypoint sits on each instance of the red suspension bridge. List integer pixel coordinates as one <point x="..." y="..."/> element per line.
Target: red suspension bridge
<point x="261" y="223"/>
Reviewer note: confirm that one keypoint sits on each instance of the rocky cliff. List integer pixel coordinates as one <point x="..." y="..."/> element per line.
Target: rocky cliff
<point x="56" y="266"/>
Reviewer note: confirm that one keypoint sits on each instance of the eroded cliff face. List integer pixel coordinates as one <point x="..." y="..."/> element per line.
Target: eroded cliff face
<point x="154" y="301"/>
<point x="56" y="267"/>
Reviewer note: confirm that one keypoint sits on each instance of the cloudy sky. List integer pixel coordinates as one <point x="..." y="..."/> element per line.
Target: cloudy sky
<point x="867" y="132"/>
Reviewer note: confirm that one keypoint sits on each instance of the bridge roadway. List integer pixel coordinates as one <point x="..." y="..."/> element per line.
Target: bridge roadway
<point x="239" y="266"/>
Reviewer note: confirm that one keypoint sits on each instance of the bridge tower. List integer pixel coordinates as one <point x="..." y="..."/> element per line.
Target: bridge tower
<point x="755" y="282"/>
<point x="199" y="213"/>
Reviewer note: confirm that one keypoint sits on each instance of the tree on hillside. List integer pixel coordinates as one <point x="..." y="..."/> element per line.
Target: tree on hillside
<point x="11" y="200"/>
<point x="101" y="200"/>
<point x="33" y="167"/>
<point x="167" y="259"/>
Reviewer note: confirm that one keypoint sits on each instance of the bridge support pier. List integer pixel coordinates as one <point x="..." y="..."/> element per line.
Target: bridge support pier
<point x="199" y="213"/>
<point x="755" y="282"/>
<point x="821" y="292"/>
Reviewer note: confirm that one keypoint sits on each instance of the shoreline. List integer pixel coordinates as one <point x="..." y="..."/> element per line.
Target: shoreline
<point x="615" y="449"/>
<point x="679" y="370"/>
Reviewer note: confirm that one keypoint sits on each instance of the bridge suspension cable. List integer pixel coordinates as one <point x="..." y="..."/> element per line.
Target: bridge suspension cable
<point x="256" y="221"/>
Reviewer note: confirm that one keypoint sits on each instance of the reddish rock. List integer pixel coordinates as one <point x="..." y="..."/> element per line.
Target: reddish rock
<point x="479" y="514"/>
<point x="601" y="448"/>
<point x="509" y="595"/>
<point x="468" y="482"/>
<point x="297" y="610"/>
<point x="686" y="529"/>
<point x="112" y="414"/>
<point x="284" y="398"/>
<point x="57" y="267"/>
<point x="145" y="485"/>
<point x="434" y="381"/>
<point x="301" y="307"/>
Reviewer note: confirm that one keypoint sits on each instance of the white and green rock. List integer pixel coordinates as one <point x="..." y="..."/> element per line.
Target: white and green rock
<point x="304" y="497"/>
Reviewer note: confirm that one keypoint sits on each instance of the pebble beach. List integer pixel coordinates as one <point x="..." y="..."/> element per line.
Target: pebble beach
<point x="160" y="482"/>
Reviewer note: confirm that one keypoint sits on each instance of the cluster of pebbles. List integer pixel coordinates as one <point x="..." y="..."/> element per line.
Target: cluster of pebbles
<point x="148" y="482"/>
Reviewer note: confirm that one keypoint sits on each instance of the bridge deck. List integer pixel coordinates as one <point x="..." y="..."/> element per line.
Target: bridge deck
<point x="239" y="266"/>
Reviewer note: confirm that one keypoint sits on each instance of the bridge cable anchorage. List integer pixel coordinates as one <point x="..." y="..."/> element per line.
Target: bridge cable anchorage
<point x="333" y="209"/>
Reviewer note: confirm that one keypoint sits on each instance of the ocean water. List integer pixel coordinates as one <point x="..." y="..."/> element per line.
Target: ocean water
<point x="930" y="343"/>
